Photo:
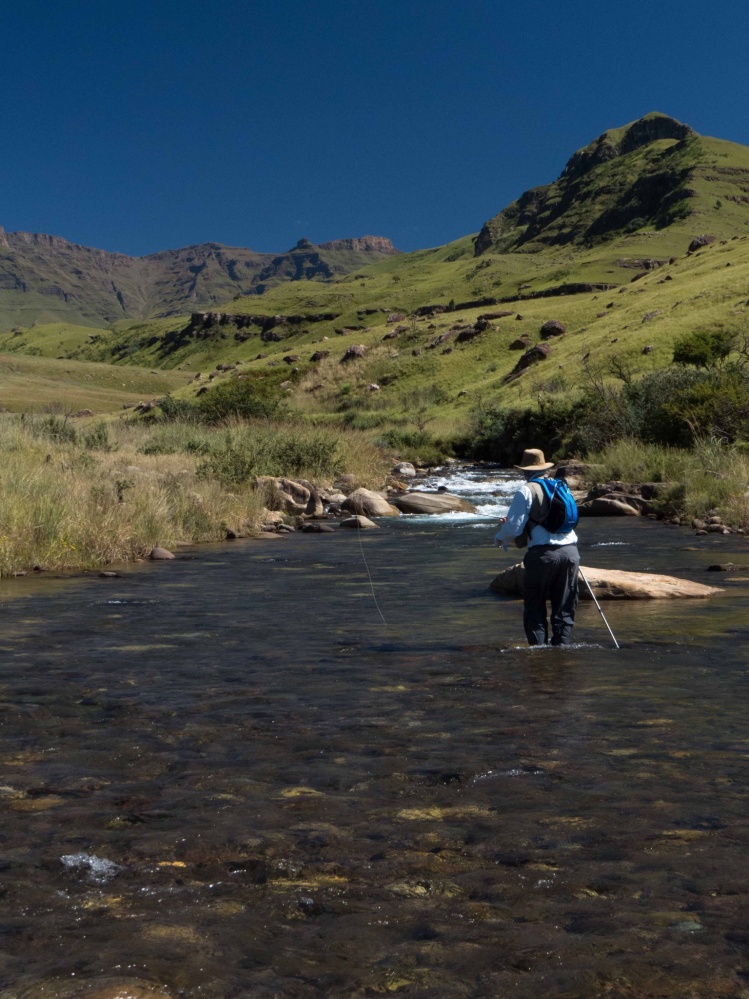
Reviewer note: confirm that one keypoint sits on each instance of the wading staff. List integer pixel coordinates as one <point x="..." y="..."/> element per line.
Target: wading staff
<point x="590" y="590"/>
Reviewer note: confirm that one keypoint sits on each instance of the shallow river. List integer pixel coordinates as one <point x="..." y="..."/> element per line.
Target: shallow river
<point x="226" y="776"/>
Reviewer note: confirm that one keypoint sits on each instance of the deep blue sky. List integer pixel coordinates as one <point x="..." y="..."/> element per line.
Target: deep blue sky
<point x="139" y="125"/>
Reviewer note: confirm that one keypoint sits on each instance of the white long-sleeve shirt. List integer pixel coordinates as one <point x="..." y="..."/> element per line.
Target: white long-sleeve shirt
<point x="517" y="518"/>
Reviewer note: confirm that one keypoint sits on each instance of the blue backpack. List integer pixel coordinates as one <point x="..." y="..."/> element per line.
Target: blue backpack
<point x="562" y="516"/>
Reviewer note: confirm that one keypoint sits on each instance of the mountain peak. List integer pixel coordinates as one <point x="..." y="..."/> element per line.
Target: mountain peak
<point x="620" y="141"/>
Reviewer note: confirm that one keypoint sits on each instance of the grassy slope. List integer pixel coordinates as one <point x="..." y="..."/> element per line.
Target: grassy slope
<point x="702" y="292"/>
<point x="31" y="384"/>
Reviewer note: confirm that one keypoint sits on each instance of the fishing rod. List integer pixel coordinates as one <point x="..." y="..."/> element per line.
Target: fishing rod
<point x="590" y="590"/>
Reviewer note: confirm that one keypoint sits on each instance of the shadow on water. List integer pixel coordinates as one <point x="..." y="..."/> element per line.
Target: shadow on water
<point x="227" y="777"/>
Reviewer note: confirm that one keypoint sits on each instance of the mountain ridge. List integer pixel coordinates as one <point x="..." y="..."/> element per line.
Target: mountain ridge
<point x="646" y="175"/>
<point x="48" y="278"/>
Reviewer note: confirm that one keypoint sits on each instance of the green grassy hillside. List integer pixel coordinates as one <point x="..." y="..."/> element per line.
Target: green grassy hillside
<point x="625" y="287"/>
<point x="36" y="384"/>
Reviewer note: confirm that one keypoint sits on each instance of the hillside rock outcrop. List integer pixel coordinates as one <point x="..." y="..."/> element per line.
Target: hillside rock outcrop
<point x="583" y="206"/>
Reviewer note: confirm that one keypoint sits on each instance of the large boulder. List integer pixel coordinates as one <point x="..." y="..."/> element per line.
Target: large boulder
<point x="614" y="505"/>
<point x="613" y="584"/>
<point x="285" y="494"/>
<point x="368" y="503"/>
<point x="432" y="503"/>
<point x="521" y="343"/>
<point x="699" y="241"/>
<point x="552" y="327"/>
<point x="574" y="473"/>
<point x="354" y="352"/>
<point x="404" y="470"/>
<point x="537" y="353"/>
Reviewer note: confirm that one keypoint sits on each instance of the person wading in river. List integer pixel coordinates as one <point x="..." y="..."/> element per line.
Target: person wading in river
<point x="552" y="560"/>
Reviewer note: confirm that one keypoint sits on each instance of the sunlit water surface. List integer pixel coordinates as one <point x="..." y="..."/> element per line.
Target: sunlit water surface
<point x="226" y="776"/>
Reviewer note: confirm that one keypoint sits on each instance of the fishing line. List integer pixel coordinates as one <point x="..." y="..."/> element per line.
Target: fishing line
<point x="371" y="584"/>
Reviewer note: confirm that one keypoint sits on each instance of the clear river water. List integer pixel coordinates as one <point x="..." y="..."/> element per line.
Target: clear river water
<point x="226" y="777"/>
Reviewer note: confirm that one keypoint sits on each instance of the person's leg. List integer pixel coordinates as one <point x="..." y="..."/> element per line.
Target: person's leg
<point x="563" y="593"/>
<point x="535" y="588"/>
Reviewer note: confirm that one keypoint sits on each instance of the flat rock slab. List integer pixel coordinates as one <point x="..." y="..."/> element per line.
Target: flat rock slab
<point x="614" y="584"/>
<point x="432" y="503"/>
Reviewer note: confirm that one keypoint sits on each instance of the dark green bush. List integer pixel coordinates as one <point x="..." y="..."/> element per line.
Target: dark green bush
<point x="178" y="409"/>
<point x="501" y="435"/>
<point x="237" y="399"/>
<point x="704" y="348"/>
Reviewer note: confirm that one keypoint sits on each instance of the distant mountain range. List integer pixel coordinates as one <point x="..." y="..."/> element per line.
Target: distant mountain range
<point x="45" y="278"/>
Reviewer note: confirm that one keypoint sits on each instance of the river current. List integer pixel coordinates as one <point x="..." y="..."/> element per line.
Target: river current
<point x="227" y="776"/>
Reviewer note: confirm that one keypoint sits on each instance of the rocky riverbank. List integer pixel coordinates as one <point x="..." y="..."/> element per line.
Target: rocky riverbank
<point x="660" y="500"/>
<point x="299" y="504"/>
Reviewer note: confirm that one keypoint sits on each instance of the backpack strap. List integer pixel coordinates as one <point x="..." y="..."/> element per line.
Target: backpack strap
<point x="539" y="510"/>
<point x="540" y="502"/>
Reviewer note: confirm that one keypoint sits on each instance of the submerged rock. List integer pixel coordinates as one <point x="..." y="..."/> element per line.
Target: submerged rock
<point x="358" y="523"/>
<point x="432" y="503"/>
<point x="613" y="584"/>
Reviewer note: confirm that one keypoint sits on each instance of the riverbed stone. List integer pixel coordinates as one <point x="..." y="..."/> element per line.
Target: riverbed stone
<point x="160" y="554"/>
<point x="109" y="987"/>
<point x="404" y="470"/>
<point x="614" y="584"/>
<point x="368" y="503"/>
<point x="609" y="506"/>
<point x="432" y="503"/>
<point x="359" y="523"/>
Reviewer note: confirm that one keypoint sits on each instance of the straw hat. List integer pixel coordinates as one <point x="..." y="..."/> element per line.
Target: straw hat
<point x="533" y="461"/>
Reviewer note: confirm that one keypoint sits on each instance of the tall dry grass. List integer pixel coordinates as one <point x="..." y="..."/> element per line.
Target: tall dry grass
<point x="92" y="494"/>
<point x="711" y="476"/>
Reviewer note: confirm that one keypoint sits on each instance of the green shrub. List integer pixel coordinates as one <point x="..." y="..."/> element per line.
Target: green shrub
<point x="178" y="409"/>
<point x="241" y="454"/>
<point x="55" y="428"/>
<point x="239" y="399"/>
<point x="501" y="435"/>
<point x="416" y="445"/>
<point x="704" y="348"/>
<point x="98" y="439"/>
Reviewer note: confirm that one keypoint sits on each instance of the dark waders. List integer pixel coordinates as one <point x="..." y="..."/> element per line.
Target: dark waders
<point x="550" y="574"/>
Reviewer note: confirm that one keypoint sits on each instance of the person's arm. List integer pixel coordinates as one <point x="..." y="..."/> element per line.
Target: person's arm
<point x="517" y="517"/>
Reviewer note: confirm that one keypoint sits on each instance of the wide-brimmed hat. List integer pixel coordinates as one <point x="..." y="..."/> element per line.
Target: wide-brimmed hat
<point x="533" y="461"/>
